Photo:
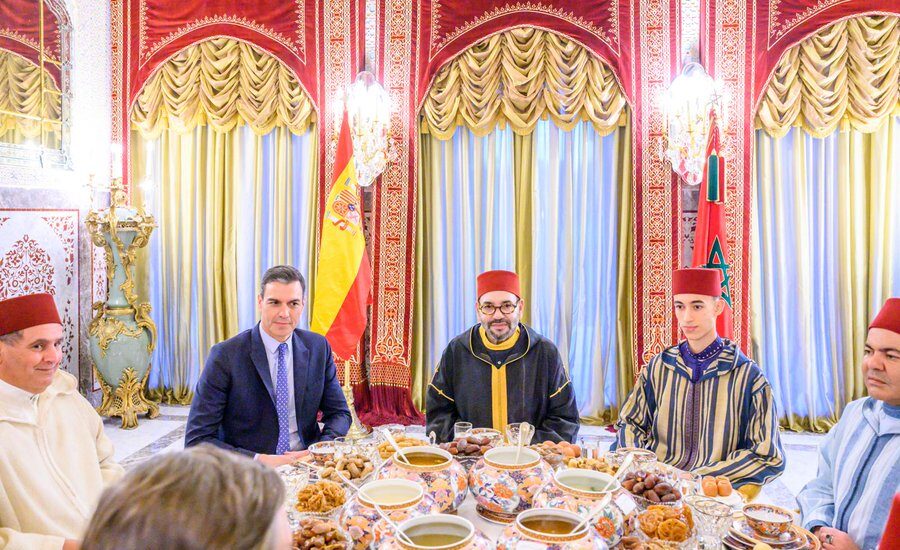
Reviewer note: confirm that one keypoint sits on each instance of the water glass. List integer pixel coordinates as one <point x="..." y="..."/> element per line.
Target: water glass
<point x="590" y="446"/>
<point x="294" y="480"/>
<point x="342" y="446"/>
<point x="712" y="519"/>
<point x="461" y="429"/>
<point x="512" y="433"/>
<point x="690" y="483"/>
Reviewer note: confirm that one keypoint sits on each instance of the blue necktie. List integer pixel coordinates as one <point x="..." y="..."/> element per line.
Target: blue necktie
<point x="281" y="403"/>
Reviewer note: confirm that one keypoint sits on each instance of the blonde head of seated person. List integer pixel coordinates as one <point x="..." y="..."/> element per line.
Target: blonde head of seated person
<point x="203" y="498"/>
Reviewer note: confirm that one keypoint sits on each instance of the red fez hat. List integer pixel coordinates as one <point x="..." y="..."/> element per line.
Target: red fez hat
<point x="27" y="311"/>
<point x="490" y="281"/>
<point x="889" y="316"/>
<point x="697" y="280"/>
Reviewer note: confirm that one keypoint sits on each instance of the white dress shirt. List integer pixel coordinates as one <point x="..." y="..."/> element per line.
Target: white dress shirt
<point x="271" y="346"/>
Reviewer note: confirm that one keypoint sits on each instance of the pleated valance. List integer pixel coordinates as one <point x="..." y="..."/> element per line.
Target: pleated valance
<point x="222" y="82"/>
<point x="846" y="75"/>
<point x="518" y="77"/>
<point x="20" y="92"/>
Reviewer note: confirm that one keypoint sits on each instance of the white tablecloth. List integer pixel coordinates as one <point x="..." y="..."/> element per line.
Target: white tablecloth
<point x="489" y="529"/>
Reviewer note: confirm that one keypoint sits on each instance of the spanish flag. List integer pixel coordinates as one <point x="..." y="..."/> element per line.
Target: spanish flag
<point x="710" y="246"/>
<point x="343" y="276"/>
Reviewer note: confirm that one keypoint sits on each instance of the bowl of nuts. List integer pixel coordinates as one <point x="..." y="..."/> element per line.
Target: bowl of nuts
<point x="354" y="467"/>
<point x="651" y="485"/>
<point x="319" y="532"/>
<point x="322" y="451"/>
<point x="594" y="464"/>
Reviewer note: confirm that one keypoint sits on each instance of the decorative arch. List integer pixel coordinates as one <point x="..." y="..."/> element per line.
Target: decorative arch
<point x="844" y="75"/>
<point x="539" y="74"/>
<point x="838" y="82"/>
<point x="780" y="26"/>
<point x="223" y="82"/>
<point x="456" y="26"/>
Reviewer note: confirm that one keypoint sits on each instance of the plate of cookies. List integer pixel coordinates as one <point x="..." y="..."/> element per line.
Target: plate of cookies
<point x="321" y="497"/>
<point x="670" y="526"/>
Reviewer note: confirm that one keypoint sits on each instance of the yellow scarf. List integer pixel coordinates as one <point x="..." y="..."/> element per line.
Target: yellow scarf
<point x="507" y="344"/>
<point x="498" y="380"/>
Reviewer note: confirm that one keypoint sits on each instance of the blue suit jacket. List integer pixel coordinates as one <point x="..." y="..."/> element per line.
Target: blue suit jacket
<point x="234" y="405"/>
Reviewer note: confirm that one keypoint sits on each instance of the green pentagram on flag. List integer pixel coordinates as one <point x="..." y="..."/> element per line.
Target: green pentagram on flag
<point x="717" y="260"/>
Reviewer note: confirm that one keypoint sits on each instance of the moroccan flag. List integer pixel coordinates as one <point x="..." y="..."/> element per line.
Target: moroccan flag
<point x="710" y="246"/>
<point x="344" y="276"/>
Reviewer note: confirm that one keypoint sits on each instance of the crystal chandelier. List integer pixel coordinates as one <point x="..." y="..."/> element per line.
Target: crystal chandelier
<point x="369" y="112"/>
<point x="687" y="106"/>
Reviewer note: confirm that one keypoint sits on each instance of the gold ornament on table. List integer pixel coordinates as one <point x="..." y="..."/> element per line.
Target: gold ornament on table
<point x="357" y="429"/>
<point x="122" y="335"/>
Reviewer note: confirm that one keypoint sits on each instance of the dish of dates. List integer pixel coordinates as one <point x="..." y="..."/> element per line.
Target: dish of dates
<point x="470" y="446"/>
<point x="653" y="487"/>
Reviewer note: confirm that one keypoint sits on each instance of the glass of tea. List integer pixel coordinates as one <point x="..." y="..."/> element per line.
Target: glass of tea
<point x="461" y="429"/>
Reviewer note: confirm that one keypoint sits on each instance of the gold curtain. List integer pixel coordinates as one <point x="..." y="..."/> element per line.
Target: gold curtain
<point x="823" y="225"/>
<point x="518" y="77"/>
<point x="845" y="76"/>
<point x="222" y="82"/>
<point x="20" y="94"/>
<point x="196" y="178"/>
<point x="227" y="207"/>
<point x="205" y="205"/>
<point x="440" y="161"/>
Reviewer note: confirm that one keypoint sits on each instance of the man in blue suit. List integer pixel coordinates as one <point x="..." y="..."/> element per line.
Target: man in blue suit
<point x="261" y="391"/>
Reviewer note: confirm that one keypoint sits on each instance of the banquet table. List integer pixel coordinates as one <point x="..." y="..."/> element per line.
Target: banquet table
<point x="494" y="530"/>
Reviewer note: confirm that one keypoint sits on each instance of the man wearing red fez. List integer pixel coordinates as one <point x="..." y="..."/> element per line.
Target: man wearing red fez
<point x="702" y="405"/>
<point x="501" y="371"/>
<point x="848" y="503"/>
<point x="54" y="457"/>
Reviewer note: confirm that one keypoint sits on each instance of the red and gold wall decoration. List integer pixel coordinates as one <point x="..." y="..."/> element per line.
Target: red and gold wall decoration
<point x="39" y="253"/>
<point x="20" y="33"/>
<point x="638" y="39"/>
<point x="322" y="41"/>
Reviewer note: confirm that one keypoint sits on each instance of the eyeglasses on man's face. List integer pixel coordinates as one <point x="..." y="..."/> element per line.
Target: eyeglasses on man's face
<point x="505" y="308"/>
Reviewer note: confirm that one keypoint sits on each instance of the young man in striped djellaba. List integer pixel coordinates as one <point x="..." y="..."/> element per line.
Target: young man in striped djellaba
<point x="702" y="405"/>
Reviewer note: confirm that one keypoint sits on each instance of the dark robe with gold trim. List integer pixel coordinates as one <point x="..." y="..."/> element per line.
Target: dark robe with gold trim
<point x="468" y="387"/>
